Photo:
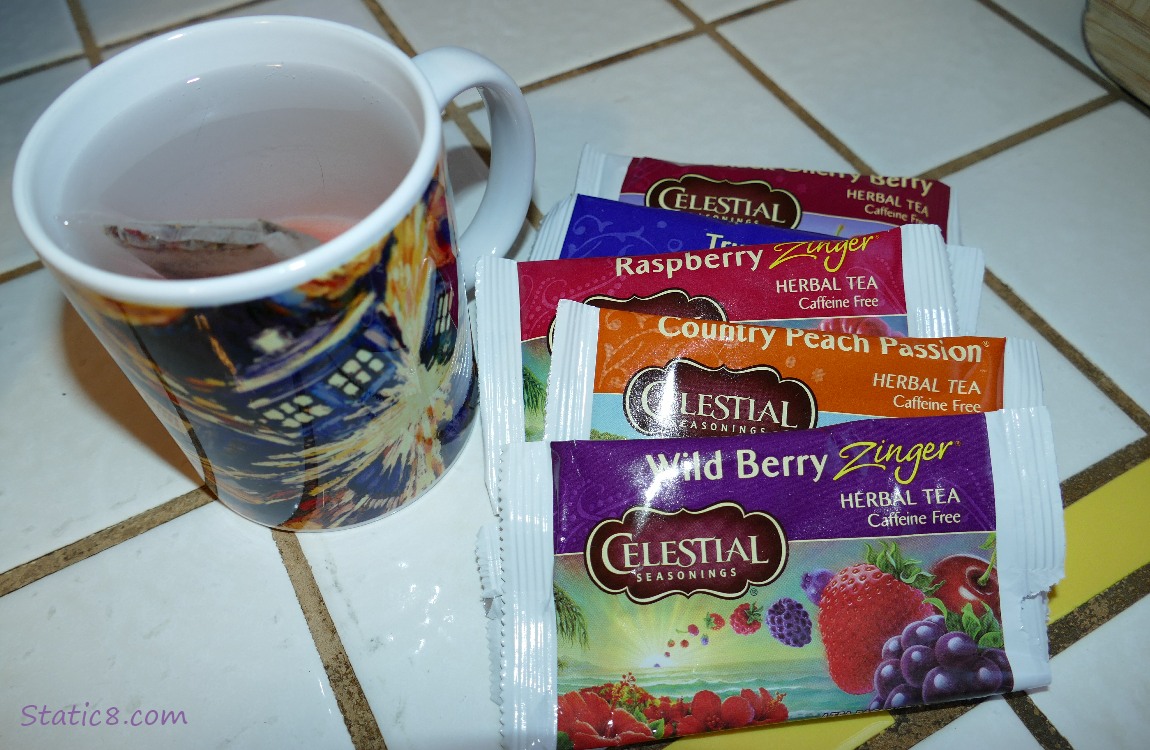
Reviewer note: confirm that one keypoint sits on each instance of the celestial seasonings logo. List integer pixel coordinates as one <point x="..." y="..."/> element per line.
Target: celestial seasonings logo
<point x="686" y="399"/>
<point x="650" y="554"/>
<point x="747" y="201"/>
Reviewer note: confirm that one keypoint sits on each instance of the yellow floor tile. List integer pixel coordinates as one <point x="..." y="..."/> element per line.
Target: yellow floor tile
<point x="839" y="733"/>
<point x="1107" y="538"/>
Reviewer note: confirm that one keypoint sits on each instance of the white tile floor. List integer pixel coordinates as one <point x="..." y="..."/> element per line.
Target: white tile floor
<point x="1059" y="219"/>
<point x="199" y="606"/>
<point x="976" y="80"/>
<point x="36" y="33"/>
<point x="1096" y="666"/>
<point x="199" y="614"/>
<point x="83" y="449"/>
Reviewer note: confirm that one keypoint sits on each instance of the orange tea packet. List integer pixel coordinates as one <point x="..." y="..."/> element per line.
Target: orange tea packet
<point x="618" y="374"/>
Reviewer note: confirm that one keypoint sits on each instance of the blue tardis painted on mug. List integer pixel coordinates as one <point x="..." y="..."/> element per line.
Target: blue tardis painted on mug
<point x="328" y="405"/>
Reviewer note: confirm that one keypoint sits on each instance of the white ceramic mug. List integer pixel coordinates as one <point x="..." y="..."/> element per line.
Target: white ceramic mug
<point x="329" y="387"/>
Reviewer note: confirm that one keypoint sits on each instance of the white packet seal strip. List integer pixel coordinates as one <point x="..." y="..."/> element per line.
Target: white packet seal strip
<point x="967" y="268"/>
<point x="528" y="650"/>
<point x="488" y="559"/>
<point x="928" y="282"/>
<point x="601" y="174"/>
<point x="1031" y="541"/>
<point x="548" y="242"/>
<point x="1031" y="546"/>
<point x="962" y="277"/>
<point x="570" y="389"/>
<point x="499" y="355"/>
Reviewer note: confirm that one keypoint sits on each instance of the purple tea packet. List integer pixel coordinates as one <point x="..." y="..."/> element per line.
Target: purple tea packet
<point x="582" y="226"/>
<point x="714" y="574"/>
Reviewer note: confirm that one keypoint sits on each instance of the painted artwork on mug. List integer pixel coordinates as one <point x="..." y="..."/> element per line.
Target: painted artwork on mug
<point x="326" y="406"/>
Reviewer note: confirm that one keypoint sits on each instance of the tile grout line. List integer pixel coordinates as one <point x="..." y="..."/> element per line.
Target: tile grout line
<point x="711" y="31"/>
<point x="606" y="62"/>
<point x="98" y="541"/>
<point x="1022" y="136"/>
<point x="345" y="685"/>
<point x="390" y="27"/>
<point x="1062" y="345"/>
<point x="84" y="29"/>
<point x="913" y="725"/>
<point x="21" y="271"/>
<point x="40" y="68"/>
<point x="1099" y="610"/>
<point x="1095" y="476"/>
<point x="1041" y="728"/>
<point x="634" y="52"/>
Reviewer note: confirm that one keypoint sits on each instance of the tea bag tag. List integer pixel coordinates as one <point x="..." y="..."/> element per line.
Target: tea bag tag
<point x="199" y="249"/>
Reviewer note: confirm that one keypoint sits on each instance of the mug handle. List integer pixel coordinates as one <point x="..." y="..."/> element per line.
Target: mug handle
<point x="451" y="71"/>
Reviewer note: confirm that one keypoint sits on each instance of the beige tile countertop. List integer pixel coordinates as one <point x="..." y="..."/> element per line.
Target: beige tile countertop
<point x="124" y="587"/>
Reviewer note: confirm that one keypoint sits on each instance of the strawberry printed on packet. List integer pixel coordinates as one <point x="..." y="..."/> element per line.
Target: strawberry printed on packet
<point x="861" y="607"/>
<point x="747" y="618"/>
<point x="714" y="621"/>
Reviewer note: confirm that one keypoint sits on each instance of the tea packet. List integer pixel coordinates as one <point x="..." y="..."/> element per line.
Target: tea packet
<point x="893" y="283"/>
<point x="672" y="587"/>
<point x="836" y="203"/>
<point x="583" y="226"/>
<point x="617" y="374"/>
